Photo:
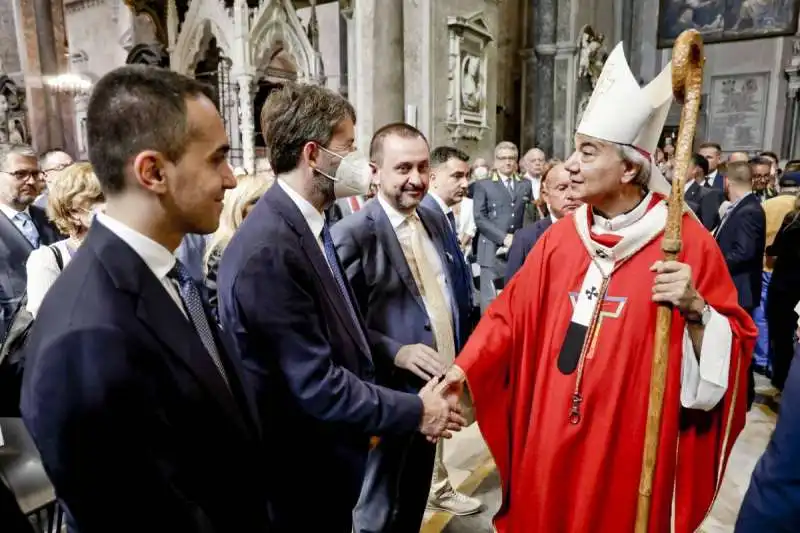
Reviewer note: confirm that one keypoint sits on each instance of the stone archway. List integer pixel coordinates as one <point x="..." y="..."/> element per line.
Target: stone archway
<point x="279" y="70"/>
<point x="206" y="19"/>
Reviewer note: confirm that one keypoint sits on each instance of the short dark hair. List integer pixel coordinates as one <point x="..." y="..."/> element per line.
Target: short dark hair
<point x="701" y="162"/>
<point x="297" y="114"/>
<point x="760" y="160"/>
<point x="135" y="108"/>
<point x="442" y="154"/>
<point x="401" y="129"/>
<point x="716" y="146"/>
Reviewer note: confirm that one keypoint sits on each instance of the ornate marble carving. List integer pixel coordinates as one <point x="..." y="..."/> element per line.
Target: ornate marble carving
<point x="246" y="122"/>
<point x="276" y="25"/>
<point x="592" y="56"/>
<point x="204" y="19"/>
<point x="466" y="102"/>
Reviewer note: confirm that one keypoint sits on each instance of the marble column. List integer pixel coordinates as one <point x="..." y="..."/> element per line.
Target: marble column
<point x="344" y="50"/>
<point x="529" y="64"/>
<point x="545" y="50"/>
<point x="380" y="95"/>
<point x="791" y="124"/>
<point x="50" y="115"/>
<point x="246" y="123"/>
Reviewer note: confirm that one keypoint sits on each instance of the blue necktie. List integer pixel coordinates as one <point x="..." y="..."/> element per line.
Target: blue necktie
<point x="452" y="218"/>
<point x="196" y="311"/>
<point x="333" y="262"/>
<point x="27" y="228"/>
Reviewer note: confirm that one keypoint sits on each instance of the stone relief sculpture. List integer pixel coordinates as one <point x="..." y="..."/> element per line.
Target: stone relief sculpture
<point x="3" y="119"/>
<point x="592" y="56"/>
<point x="467" y="98"/>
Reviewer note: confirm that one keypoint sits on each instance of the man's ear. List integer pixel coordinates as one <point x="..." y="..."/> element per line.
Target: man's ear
<point x="311" y="154"/>
<point x="149" y="171"/>
<point x="630" y="171"/>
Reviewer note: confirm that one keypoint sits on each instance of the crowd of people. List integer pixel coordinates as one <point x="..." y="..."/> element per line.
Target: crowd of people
<point x="194" y="350"/>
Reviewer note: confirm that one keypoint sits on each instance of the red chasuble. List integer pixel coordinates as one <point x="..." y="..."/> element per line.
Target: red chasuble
<point x="560" y="476"/>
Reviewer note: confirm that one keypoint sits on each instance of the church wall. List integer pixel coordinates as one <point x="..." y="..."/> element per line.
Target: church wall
<point x="98" y="29"/>
<point x="510" y="41"/>
<point x="746" y="57"/>
<point x="328" y="20"/>
<point x="440" y="70"/>
<point x="9" y="43"/>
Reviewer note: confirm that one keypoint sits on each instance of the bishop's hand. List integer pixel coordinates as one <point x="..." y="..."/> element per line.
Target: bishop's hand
<point x="673" y="285"/>
<point x="421" y="360"/>
<point x="439" y="417"/>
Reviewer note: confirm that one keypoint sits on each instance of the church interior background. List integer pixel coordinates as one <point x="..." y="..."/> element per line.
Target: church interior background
<point x="466" y="72"/>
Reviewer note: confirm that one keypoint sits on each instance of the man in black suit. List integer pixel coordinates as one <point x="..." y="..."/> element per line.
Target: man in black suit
<point x="132" y="395"/>
<point x="713" y="154"/>
<point x="285" y="297"/>
<point x="556" y="193"/>
<point x="704" y="201"/>
<point x="23" y="226"/>
<point x="499" y="209"/>
<point x="394" y="252"/>
<point x="742" y="238"/>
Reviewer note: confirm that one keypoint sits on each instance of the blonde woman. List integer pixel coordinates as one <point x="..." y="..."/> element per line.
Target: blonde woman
<point x="72" y="202"/>
<point x="238" y="203"/>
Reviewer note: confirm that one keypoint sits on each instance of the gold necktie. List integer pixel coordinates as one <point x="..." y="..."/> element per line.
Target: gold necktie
<point x="431" y="291"/>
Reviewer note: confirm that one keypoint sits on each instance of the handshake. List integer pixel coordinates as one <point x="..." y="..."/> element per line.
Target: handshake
<point x="442" y="412"/>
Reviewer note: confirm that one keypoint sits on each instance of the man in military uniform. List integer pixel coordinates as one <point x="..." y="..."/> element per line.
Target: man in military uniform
<point x="499" y="207"/>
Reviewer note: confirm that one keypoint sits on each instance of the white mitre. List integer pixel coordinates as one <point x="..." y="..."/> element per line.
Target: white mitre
<point x="623" y="112"/>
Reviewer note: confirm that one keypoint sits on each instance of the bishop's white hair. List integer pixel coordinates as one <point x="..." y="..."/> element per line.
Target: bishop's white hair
<point x="632" y="156"/>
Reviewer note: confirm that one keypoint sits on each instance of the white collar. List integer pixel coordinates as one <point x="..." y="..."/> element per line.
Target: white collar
<point x="446" y="208"/>
<point x="396" y="218"/>
<point x="314" y="219"/>
<point x="10" y="212"/>
<point x="688" y="184"/>
<point x="503" y="178"/>
<point x="157" y="258"/>
<point x="625" y="219"/>
<point x="533" y="178"/>
<point x="553" y="219"/>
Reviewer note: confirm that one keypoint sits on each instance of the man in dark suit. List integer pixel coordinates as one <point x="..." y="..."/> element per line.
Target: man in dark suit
<point x="499" y="212"/>
<point x="23" y="226"/>
<point x="52" y="163"/>
<point x="742" y="238"/>
<point x="394" y="252"/>
<point x="132" y="395"/>
<point x="704" y="201"/>
<point x="713" y="154"/>
<point x="285" y="298"/>
<point x="556" y="193"/>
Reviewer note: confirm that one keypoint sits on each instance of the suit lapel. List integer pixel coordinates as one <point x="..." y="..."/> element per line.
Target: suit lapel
<point x="157" y="312"/>
<point x="388" y="237"/>
<point x="310" y="246"/>
<point x="47" y="234"/>
<point x="15" y="237"/>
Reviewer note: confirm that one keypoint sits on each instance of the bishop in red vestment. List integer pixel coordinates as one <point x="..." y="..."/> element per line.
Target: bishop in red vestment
<point x="559" y="367"/>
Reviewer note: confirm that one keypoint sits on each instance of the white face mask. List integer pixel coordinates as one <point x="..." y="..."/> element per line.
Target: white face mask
<point x="352" y="177"/>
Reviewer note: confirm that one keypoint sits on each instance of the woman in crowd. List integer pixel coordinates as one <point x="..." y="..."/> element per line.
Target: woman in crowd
<point x="73" y="199"/>
<point x="238" y="203"/>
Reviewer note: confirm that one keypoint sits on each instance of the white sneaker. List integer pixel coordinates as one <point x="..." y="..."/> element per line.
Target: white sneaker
<point x="453" y="502"/>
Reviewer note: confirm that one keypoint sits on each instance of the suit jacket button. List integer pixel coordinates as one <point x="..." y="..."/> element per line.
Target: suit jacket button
<point x="512" y="204"/>
<point x="427" y="327"/>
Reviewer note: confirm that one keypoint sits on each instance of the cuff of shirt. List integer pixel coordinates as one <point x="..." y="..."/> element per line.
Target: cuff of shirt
<point x="704" y="383"/>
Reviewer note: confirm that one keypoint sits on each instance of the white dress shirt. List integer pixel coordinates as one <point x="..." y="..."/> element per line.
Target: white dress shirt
<point x="314" y="219"/>
<point x="711" y="177"/>
<point x="403" y="229"/>
<point x="536" y="185"/>
<point x="12" y="213"/>
<point x="157" y="258"/>
<point x="42" y="269"/>
<point x="703" y="383"/>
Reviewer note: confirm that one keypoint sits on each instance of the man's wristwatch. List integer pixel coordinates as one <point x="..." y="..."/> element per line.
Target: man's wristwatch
<point x="699" y="319"/>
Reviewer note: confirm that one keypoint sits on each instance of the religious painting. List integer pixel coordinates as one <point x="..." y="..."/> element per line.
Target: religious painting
<point x="726" y="20"/>
<point x="738" y="111"/>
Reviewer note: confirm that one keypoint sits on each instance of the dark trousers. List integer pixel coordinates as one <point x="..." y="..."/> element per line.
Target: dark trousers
<point x="396" y="485"/>
<point x="782" y="323"/>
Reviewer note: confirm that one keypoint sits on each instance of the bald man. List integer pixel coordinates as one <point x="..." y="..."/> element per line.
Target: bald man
<point x="738" y="157"/>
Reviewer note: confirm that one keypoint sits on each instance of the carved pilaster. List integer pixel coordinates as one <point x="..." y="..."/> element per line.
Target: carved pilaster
<point x="246" y="122"/>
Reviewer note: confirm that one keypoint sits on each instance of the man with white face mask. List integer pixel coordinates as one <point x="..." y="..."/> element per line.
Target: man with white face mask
<point x="285" y="298"/>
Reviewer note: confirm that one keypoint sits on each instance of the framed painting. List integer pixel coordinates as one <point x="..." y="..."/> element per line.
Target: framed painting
<point x="738" y="111"/>
<point x="726" y="20"/>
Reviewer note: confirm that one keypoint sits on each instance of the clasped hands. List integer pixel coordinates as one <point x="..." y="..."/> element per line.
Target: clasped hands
<point x="441" y="410"/>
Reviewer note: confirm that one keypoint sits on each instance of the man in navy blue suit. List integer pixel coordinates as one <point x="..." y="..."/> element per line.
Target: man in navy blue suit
<point x="138" y="408"/>
<point x="556" y="192"/>
<point x="772" y="502"/>
<point x="405" y="278"/>
<point x="713" y="154"/>
<point x="742" y="236"/>
<point x="285" y="298"/>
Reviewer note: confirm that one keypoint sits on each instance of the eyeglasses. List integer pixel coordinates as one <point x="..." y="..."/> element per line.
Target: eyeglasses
<point x="24" y="175"/>
<point x="58" y="168"/>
